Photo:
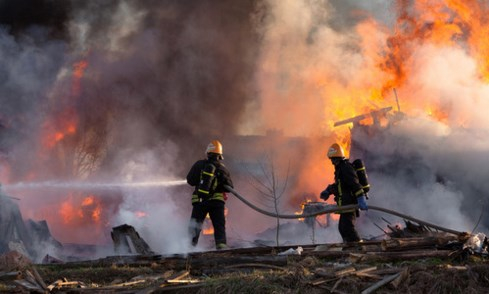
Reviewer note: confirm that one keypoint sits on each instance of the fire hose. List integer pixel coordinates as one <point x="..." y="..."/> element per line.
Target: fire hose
<point x="337" y="209"/>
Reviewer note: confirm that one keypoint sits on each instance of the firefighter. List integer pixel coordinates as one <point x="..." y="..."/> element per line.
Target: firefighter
<point x="346" y="190"/>
<point x="209" y="176"/>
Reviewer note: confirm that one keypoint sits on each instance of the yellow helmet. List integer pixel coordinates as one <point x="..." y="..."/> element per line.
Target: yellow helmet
<point x="335" y="151"/>
<point x="214" y="147"/>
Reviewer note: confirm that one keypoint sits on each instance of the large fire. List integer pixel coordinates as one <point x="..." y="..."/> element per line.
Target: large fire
<point x="392" y="58"/>
<point x="393" y="63"/>
<point x="390" y="63"/>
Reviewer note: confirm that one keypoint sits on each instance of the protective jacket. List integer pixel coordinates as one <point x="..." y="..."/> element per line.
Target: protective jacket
<point x="347" y="183"/>
<point x="222" y="177"/>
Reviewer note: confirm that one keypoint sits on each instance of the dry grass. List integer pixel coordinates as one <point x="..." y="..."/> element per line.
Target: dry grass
<point x="424" y="276"/>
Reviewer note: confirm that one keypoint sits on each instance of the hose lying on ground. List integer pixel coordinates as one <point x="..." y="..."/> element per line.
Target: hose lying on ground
<point x="339" y="209"/>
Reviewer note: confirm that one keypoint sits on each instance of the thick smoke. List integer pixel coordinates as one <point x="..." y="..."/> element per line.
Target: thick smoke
<point x="418" y="167"/>
<point x="147" y="84"/>
<point x="323" y="59"/>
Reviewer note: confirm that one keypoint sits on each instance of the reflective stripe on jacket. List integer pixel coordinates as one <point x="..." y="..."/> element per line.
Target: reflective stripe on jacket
<point x="217" y="190"/>
<point x="347" y="183"/>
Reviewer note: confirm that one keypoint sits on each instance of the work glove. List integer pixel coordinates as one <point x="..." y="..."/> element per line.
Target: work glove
<point x="328" y="191"/>
<point x="324" y="195"/>
<point x="362" y="203"/>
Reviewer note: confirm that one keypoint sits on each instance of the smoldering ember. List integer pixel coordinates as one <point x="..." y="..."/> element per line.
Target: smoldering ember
<point x="105" y="106"/>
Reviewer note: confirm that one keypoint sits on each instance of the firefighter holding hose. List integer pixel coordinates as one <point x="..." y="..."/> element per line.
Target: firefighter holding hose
<point x="209" y="176"/>
<point x="346" y="189"/>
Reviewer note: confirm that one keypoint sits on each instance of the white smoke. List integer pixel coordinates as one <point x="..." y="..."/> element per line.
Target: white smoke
<point x="163" y="226"/>
<point x="159" y="214"/>
<point x="426" y="170"/>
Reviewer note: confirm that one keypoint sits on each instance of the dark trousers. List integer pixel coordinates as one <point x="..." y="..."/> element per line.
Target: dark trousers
<point x="215" y="209"/>
<point x="346" y="226"/>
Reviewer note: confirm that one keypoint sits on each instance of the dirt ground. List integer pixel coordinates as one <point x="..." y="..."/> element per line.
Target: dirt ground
<point x="300" y="275"/>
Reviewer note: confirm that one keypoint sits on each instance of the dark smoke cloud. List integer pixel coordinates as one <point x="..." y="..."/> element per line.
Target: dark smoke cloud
<point x="159" y="72"/>
<point x="183" y="75"/>
<point x="20" y="16"/>
<point x="27" y="70"/>
<point x="163" y="78"/>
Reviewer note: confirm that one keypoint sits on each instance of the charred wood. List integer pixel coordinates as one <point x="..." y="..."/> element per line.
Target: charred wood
<point x="381" y="283"/>
<point x="398" y="255"/>
<point x="10" y="276"/>
<point x="127" y="240"/>
<point x="418" y="242"/>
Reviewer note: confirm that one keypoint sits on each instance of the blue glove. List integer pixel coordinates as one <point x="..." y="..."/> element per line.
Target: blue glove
<point x="324" y="195"/>
<point x="362" y="203"/>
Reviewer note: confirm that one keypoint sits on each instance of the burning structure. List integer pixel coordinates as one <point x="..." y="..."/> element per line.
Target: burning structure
<point x="130" y="91"/>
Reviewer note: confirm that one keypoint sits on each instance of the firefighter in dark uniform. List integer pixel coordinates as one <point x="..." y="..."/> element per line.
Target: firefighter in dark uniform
<point x="347" y="190"/>
<point x="209" y="176"/>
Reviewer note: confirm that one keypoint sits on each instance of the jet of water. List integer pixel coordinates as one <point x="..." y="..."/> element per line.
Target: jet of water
<point x="92" y="185"/>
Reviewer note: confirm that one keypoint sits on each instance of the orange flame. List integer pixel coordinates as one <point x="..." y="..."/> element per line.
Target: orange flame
<point x="65" y="123"/>
<point x="303" y="204"/>
<point x="87" y="201"/>
<point x="389" y="57"/>
<point x="67" y="212"/>
<point x="207" y="228"/>
<point x="78" y="71"/>
<point x="96" y="213"/>
<point x="208" y="231"/>
<point x="74" y="211"/>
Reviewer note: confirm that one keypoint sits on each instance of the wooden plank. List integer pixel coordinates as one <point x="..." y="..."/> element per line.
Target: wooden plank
<point x="344" y="272"/>
<point x="38" y="278"/>
<point x="176" y="288"/>
<point x="126" y="284"/>
<point x="54" y="285"/>
<point x="416" y="242"/>
<point x="183" y="281"/>
<point x="398" y="255"/>
<point x="369" y="275"/>
<point x="381" y="283"/>
<point x="402" y="277"/>
<point x="254" y="265"/>
<point x="366" y="270"/>
<point x="10" y="276"/>
<point x="233" y="260"/>
<point x="181" y="275"/>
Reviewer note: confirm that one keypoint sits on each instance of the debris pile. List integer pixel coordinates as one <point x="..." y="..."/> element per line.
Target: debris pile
<point x="394" y="264"/>
<point x="18" y="272"/>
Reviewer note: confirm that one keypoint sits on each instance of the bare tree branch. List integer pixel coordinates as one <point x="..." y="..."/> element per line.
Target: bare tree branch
<point x="270" y="189"/>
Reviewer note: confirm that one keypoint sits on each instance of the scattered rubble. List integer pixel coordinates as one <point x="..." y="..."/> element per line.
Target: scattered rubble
<point x="127" y="240"/>
<point x="411" y="259"/>
<point x="416" y="264"/>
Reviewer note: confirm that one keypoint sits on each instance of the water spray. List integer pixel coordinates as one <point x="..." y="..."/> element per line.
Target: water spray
<point x="92" y="185"/>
